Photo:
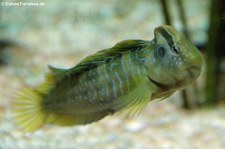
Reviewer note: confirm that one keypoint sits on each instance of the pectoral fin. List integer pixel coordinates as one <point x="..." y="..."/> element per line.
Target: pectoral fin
<point x="133" y="103"/>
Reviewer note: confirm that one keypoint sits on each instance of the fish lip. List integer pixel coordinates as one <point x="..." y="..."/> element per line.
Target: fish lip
<point x="190" y="73"/>
<point x="158" y="84"/>
<point x="193" y="71"/>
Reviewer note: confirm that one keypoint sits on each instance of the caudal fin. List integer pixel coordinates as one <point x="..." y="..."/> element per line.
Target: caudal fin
<point x="28" y="111"/>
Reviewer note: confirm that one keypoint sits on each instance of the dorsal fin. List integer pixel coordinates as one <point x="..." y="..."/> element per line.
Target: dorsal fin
<point x="127" y="44"/>
<point x="107" y="55"/>
<point x="57" y="71"/>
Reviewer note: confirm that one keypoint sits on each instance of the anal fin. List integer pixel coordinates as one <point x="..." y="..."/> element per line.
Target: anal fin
<point x="78" y="119"/>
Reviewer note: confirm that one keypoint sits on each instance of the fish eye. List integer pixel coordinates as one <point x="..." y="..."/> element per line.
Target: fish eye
<point x="161" y="51"/>
<point x="175" y="49"/>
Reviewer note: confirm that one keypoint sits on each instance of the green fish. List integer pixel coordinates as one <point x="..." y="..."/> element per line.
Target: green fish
<point x="121" y="79"/>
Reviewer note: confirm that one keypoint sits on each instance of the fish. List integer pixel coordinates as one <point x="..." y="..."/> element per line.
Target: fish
<point x="120" y="79"/>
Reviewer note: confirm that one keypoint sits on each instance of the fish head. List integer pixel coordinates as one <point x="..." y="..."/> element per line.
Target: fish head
<point x="177" y="62"/>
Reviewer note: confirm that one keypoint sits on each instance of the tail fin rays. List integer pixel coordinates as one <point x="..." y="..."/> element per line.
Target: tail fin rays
<point x="28" y="111"/>
<point x="28" y="105"/>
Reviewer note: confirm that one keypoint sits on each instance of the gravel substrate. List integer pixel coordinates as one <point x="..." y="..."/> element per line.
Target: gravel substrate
<point x="160" y="126"/>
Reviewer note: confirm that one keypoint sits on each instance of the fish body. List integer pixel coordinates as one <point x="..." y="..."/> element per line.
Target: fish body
<point x="121" y="79"/>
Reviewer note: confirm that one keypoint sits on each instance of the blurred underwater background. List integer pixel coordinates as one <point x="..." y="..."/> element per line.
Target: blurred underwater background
<point x="35" y="34"/>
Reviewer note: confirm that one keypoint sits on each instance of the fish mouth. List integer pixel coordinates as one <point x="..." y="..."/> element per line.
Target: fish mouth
<point x="192" y="74"/>
<point x="193" y="71"/>
<point x="158" y="84"/>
